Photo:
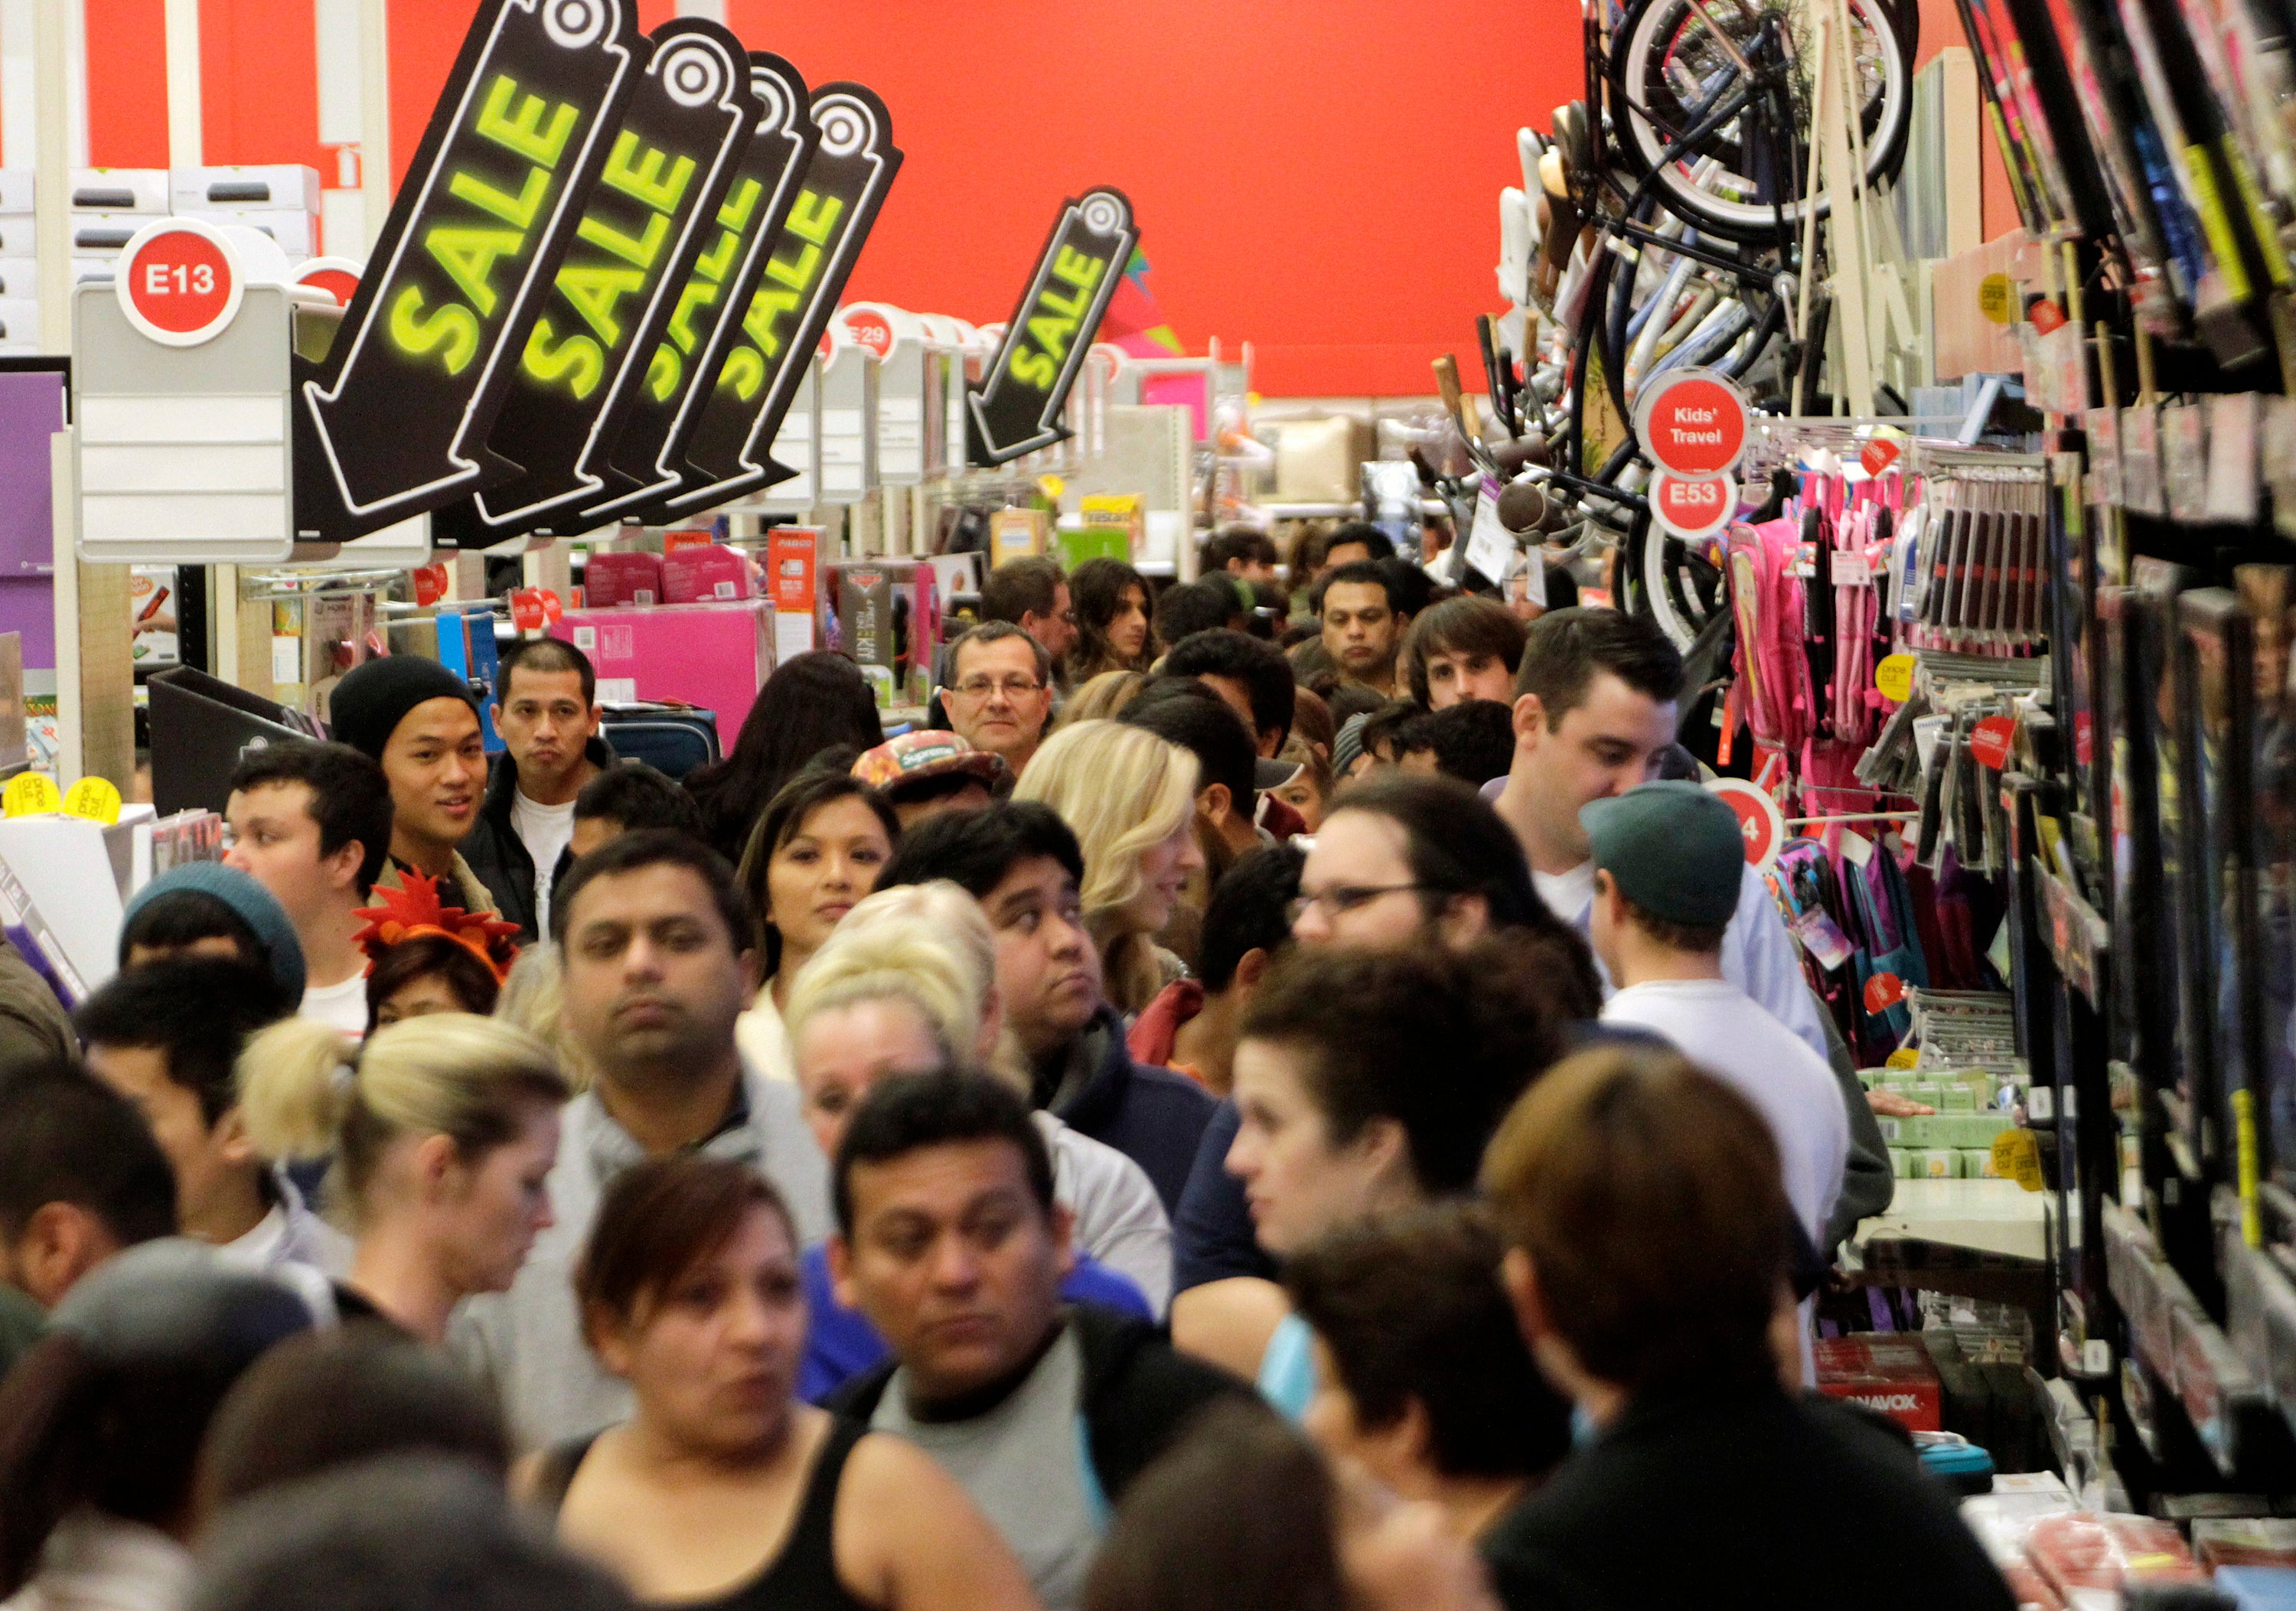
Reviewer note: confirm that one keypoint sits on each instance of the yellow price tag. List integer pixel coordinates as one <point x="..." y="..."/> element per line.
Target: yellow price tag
<point x="30" y="795"/>
<point x="1997" y="298"/>
<point x="93" y="798"/>
<point x="2017" y="1156"/>
<point x="1905" y="1056"/>
<point x="1895" y="678"/>
<point x="1053" y="486"/>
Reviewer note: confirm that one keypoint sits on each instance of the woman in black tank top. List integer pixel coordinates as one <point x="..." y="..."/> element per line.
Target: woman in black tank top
<point x="721" y="1492"/>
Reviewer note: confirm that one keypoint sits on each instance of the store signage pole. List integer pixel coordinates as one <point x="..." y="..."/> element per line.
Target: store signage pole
<point x="730" y="450"/>
<point x="1017" y="409"/>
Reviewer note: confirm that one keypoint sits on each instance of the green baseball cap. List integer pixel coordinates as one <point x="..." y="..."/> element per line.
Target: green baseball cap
<point x="1674" y="849"/>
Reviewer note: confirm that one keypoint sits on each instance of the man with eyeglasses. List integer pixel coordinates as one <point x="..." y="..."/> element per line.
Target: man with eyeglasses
<point x="1000" y="690"/>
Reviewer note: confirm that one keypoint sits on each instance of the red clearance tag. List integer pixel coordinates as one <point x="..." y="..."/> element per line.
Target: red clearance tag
<point x="2047" y="315"/>
<point x="1878" y="456"/>
<point x="552" y="611"/>
<point x="526" y="609"/>
<point x="1990" y="740"/>
<point x="430" y="584"/>
<point x="1883" y="991"/>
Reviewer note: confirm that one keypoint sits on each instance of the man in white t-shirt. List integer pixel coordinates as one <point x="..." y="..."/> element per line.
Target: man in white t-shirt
<point x="548" y="716"/>
<point x="1666" y="859"/>
<point x="311" y="823"/>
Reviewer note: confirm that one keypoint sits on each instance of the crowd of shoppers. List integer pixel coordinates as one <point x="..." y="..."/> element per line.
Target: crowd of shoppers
<point x="1208" y="1127"/>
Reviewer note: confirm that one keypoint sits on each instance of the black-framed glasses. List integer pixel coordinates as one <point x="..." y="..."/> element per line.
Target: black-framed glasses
<point x="1341" y="899"/>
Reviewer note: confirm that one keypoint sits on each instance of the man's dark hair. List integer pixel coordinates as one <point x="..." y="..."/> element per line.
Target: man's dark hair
<point x="1699" y="938"/>
<point x="1472" y="740"/>
<point x="1469" y="625"/>
<point x="1249" y="910"/>
<point x="1383" y="733"/>
<point x="350" y="798"/>
<point x="1410" y="1309"/>
<point x="1456" y="844"/>
<point x="196" y="1011"/>
<point x="1367" y="1025"/>
<point x="1182" y="710"/>
<point x="635" y="795"/>
<point x="975" y="850"/>
<point x="403" y="1532"/>
<point x="1411" y="587"/>
<point x="1028" y="586"/>
<point x="1190" y="608"/>
<point x="1247" y="542"/>
<point x="1346" y="699"/>
<point x="909" y="1112"/>
<point x="67" y="1138"/>
<point x="996" y="632"/>
<point x="1255" y="662"/>
<point x="329" y="1399"/>
<point x="1368" y="572"/>
<point x="546" y="654"/>
<point x="1565" y="648"/>
<point x="656" y="847"/>
<point x="1371" y="537"/>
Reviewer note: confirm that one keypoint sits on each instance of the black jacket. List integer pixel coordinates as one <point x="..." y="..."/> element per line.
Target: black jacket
<point x="1140" y="1393"/>
<point x="499" y="857"/>
<point x="1152" y="1116"/>
<point x="1798" y="1503"/>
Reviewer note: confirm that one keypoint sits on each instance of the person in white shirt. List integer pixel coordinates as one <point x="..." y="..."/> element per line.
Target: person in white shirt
<point x="548" y="716"/>
<point x="1666" y="859"/>
<point x="311" y="823"/>
<point x="1597" y="706"/>
<point x="165" y="1036"/>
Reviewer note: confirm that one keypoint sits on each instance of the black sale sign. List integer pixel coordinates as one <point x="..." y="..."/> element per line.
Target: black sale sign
<point x="666" y="172"/>
<point x="643" y="461"/>
<point x="393" y="421"/>
<point x="1016" y="408"/>
<point x="804" y="274"/>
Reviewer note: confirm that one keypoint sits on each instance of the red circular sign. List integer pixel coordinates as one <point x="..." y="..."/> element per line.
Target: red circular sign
<point x="1878" y="455"/>
<point x="430" y="584"/>
<point x="526" y="612"/>
<point x="870" y="330"/>
<point x="338" y="278"/>
<point x="179" y="282"/>
<point x="1988" y="741"/>
<point x="1693" y="505"/>
<point x="1759" y="821"/>
<point x="1694" y="423"/>
<point x="1883" y="991"/>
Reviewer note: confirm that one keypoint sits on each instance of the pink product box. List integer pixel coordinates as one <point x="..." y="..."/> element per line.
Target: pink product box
<point x="712" y="655"/>
<point x="693" y="576"/>
<point x="622" y="579"/>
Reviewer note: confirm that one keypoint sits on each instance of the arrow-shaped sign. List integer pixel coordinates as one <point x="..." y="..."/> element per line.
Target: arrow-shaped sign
<point x="392" y="421"/>
<point x="1017" y="409"/>
<point x="644" y="458"/>
<point x="805" y="273"/>
<point x="674" y="156"/>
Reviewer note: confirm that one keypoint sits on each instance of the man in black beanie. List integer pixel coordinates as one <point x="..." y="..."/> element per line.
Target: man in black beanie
<point x="421" y="722"/>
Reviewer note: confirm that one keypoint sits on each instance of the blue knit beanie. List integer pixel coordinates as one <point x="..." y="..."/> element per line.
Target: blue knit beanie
<point x="248" y="901"/>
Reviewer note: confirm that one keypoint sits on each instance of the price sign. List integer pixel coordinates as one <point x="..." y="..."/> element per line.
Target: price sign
<point x="1878" y="455"/>
<point x="30" y="795"/>
<point x="338" y="277"/>
<point x="1905" y="1056"/>
<point x="526" y="612"/>
<point x="1997" y="298"/>
<point x="97" y="799"/>
<point x="1883" y="991"/>
<point x="1759" y="820"/>
<point x="1894" y="677"/>
<point x="1990" y="740"/>
<point x="1692" y="423"/>
<point x="430" y="584"/>
<point x="1693" y="505"/>
<point x="179" y="282"/>
<point x="871" y="331"/>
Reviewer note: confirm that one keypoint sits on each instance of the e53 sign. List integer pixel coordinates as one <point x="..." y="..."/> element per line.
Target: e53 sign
<point x="1693" y="505"/>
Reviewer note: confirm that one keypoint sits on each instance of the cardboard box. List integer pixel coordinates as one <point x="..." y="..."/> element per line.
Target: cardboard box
<point x="1017" y="534"/>
<point x="713" y="656"/>
<point x="119" y="190"/>
<point x="622" y="579"/>
<point x="1114" y="528"/>
<point x="297" y="233"/>
<point x="888" y="620"/>
<point x="275" y="186"/>
<point x="16" y="201"/>
<point x="692" y="576"/>
<point x="19" y="319"/>
<point x="803" y="613"/>
<point x="103" y="234"/>
<point x="1890" y="1372"/>
<point x="19" y="276"/>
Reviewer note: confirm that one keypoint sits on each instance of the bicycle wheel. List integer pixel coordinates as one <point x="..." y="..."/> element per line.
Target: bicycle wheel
<point x="1670" y="67"/>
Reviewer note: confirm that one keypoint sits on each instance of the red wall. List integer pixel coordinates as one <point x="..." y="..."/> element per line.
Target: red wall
<point x="1321" y="181"/>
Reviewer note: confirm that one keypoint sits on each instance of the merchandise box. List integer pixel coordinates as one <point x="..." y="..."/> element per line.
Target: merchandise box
<point x="118" y="190"/>
<point x="19" y="276"/>
<point x="91" y="268"/>
<point x="16" y="195"/>
<point x="195" y="190"/>
<point x="19" y="319"/>
<point x="16" y="236"/>
<point x="104" y="234"/>
<point x="713" y="656"/>
<point x="696" y="575"/>
<point x="803" y="613"/>
<point x="889" y="622"/>
<point x="622" y="579"/>
<point x="1017" y="534"/>
<point x="297" y="233"/>
<point x="1886" y="1371"/>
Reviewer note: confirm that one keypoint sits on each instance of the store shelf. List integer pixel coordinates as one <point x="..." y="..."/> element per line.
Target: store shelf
<point x="1999" y="1217"/>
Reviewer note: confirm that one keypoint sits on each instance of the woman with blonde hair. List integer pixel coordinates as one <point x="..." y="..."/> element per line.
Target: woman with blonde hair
<point x="1102" y="699"/>
<point x="907" y="985"/>
<point x="1130" y="799"/>
<point x="442" y="1129"/>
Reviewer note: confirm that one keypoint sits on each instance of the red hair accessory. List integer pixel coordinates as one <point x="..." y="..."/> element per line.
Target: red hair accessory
<point x="401" y="914"/>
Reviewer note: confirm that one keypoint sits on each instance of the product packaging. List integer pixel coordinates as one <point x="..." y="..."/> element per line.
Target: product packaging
<point x="804" y="615"/>
<point x="712" y="656"/>
<point x="709" y="573"/>
<point x="1113" y="528"/>
<point x="2085" y="1551"/>
<point x="1890" y="1372"/>
<point x="1017" y="534"/>
<point x="622" y="579"/>
<point x="888" y="617"/>
<point x="2248" y="1541"/>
